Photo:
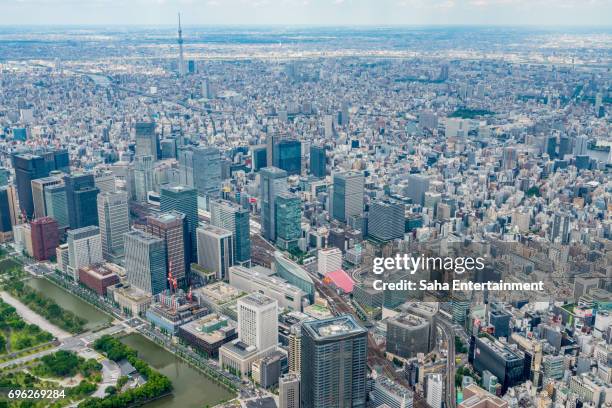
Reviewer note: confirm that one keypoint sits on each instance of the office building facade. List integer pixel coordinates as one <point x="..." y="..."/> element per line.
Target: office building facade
<point x="318" y="161"/>
<point x="288" y="156"/>
<point x="288" y="214"/>
<point x="215" y="250"/>
<point x="81" y="200"/>
<point x="114" y="220"/>
<point x="347" y="199"/>
<point x="45" y="238"/>
<point x="84" y="249"/>
<point x="386" y="220"/>
<point x="172" y="228"/>
<point x="145" y="262"/>
<point x="236" y="219"/>
<point x="184" y="199"/>
<point x="146" y="139"/>
<point x="273" y="182"/>
<point x="334" y="363"/>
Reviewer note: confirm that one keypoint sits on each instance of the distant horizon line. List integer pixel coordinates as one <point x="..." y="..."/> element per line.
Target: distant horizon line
<point x="279" y="25"/>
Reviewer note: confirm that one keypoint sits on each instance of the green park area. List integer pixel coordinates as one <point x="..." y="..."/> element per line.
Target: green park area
<point x="17" y="335"/>
<point x="156" y="384"/>
<point x="74" y="377"/>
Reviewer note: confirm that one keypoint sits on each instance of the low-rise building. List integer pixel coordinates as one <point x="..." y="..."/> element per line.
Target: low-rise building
<point x="169" y="311"/>
<point x="249" y="280"/>
<point x="130" y="299"/>
<point x="98" y="278"/>
<point x="208" y="333"/>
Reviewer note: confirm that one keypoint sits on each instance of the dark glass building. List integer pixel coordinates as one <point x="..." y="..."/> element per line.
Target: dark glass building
<point x="81" y="200"/>
<point x="5" y="211"/>
<point x="318" y="161"/>
<point x="288" y="156"/>
<point x="176" y="197"/>
<point x="500" y="320"/>
<point x="333" y="363"/>
<point x="506" y="364"/>
<point x="28" y="167"/>
<point x="260" y="156"/>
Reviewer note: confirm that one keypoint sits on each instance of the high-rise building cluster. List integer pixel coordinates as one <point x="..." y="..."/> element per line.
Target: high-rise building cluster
<point x="231" y="203"/>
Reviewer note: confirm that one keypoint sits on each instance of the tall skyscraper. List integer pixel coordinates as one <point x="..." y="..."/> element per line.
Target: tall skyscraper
<point x="28" y="167"/>
<point x="236" y="219"/>
<point x="318" y="161"/>
<point x="181" y="58"/>
<point x="288" y="156"/>
<point x="84" y="249"/>
<point x="258" y="321"/>
<point x="172" y="228"/>
<point x="145" y="262"/>
<point x="435" y="390"/>
<point x="386" y="220"/>
<point x="334" y="363"/>
<point x="176" y="197"/>
<point x="114" y="219"/>
<point x="38" y="194"/>
<point x="56" y="204"/>
<point x="143" y="177"/>
<point x="45" y="238"/>
<point x="581" y="145"/>
<point x="215" y="250"/>
<point x="81" y="197"/>
<point x="288" y="213"/>
<point x="271" y="140"/>
<point x="273" y="182"/>
<point x="551" y="146"/>
<point x="146" y="139"/>
<point x="200" y="167"/>
<point x="347" y="199"/>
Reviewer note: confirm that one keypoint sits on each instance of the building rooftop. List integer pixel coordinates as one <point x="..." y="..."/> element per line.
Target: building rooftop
<point x="338" y="326"/>
<point x="257" y="299"/>
<point x="341" y="279"/>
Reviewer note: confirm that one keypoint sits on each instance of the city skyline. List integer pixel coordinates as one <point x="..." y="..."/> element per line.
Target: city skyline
<point x="542" y="13"/>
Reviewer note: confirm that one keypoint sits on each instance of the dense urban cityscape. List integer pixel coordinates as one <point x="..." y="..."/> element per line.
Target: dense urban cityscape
<point x="216" y="216"/>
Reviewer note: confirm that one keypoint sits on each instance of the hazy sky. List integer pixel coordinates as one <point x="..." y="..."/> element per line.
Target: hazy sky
<point x="310" y="12"/>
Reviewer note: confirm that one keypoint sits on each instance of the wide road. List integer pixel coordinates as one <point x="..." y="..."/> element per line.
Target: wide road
<point x="449" y="332"/>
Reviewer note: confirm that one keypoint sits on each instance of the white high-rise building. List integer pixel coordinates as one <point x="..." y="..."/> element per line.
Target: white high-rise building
<point x="435" y="390"/>
<point x="581" y="146"/>
<point x="105" y="181"/>
<point x="215" y="250"/>
<point x="84" y="249"/>
<point x="329" y="260"/>
<point x="114" y="220"/>
<point x="258" y="321"/>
